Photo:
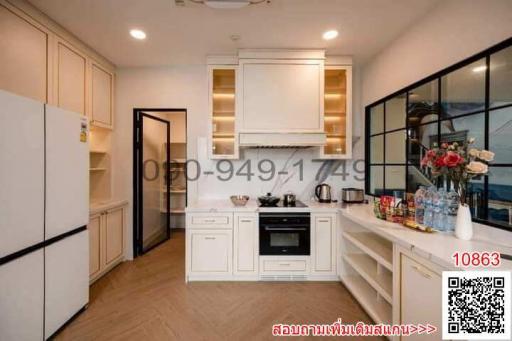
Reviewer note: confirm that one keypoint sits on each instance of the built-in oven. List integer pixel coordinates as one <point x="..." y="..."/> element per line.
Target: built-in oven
<point x="284" y="233"/>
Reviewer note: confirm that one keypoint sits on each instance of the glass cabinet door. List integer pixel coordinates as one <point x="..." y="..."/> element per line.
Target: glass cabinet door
<point x="337" y="112"/>
<point x="223" y="106"/>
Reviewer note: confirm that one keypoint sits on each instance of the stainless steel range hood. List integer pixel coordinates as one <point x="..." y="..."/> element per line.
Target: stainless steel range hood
<point x="282" y="140"/>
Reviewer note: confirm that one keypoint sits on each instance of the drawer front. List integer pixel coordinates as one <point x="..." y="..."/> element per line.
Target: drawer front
<point x="209" y="220"/>
<point x="284" y="265"/>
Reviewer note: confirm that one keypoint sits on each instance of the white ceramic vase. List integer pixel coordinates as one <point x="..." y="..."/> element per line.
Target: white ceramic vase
<point x="464" y="224"/>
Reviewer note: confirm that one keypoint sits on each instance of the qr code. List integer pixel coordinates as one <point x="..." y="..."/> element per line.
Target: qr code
<point x="476" y="305"/>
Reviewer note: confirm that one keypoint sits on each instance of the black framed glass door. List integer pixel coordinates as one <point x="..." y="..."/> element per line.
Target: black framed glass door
<point x="152" y="199"/>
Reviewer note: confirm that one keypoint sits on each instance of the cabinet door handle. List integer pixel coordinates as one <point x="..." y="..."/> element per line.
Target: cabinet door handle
<point x="421" y="271"/>
<point x="209" y="238"/>
<point x="245" y="220"/>
<point x="284" y="264"/>
<point x="209" y="220"/>
<point x="323" y="220"/>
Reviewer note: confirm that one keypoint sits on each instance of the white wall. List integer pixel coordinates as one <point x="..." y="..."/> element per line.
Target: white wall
<point x="451" y="32"/>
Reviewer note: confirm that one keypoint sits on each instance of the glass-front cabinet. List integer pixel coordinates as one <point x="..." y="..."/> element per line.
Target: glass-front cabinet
<point x="337" y="112"/>
<point x="222" y="102"/>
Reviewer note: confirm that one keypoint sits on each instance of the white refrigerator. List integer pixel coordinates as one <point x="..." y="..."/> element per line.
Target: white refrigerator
<point x="44" y="205"/>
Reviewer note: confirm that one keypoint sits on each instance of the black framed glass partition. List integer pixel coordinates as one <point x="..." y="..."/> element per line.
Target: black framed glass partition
<point x="471" y="99"/>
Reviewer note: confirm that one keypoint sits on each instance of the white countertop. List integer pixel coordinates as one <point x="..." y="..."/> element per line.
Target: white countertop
<point x="97" y="207"/>
<point x="438" y="247"/>
<point x="220" y="205"/>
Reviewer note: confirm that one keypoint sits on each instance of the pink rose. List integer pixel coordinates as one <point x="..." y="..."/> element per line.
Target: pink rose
<point x="452" y="159"/>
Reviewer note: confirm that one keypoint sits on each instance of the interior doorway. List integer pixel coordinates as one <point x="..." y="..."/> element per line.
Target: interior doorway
<point x="159" y="176"/>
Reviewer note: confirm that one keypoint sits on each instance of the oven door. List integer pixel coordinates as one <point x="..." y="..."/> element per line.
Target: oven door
<point x="284" y="238"/>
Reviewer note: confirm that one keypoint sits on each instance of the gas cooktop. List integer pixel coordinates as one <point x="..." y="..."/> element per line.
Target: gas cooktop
<point x="281" y="204"/>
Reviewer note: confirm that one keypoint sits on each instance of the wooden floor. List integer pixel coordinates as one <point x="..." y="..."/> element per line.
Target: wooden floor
<point x="148" y="299"/>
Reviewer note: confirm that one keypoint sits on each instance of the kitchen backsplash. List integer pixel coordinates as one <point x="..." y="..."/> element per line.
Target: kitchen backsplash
<point x="273" y="170"/>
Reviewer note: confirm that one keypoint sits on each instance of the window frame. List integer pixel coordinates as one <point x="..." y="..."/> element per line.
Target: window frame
<point x="487" y="110"/>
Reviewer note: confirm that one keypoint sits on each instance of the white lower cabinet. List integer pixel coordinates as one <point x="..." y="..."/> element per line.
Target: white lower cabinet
<point x="323" y="246"/>
<point x="106" y="241"/>
<point x="209" y="246"/>
<point x="225" y="246"/>
<point x="245" y="245"/>
<point x="211" y="251"/>
<point x="420" y="298"/>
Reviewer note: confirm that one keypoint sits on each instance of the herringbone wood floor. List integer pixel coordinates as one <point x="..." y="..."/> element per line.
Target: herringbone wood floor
<point x="147" y="299"/>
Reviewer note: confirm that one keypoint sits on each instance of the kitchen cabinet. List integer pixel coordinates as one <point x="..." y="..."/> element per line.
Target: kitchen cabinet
<point x="42" y="61"/>
<point x="337" y="112"/>
<point x="245" y="245"/>
<point x="419" y="276"/>
<point x="94" y="245"/>
<point x="281" y="95"/>
<point x="102" y="93"/>
<point x="25" y="46"/>
<point x="209" y="246"/>
<point x="323" y="245"/>
<point x="222" y="109"/>
<point x="211" y="251"/>
<point x="113" y="235"/>
<point x="70" y="78"/>
<point x="106" y="241"/>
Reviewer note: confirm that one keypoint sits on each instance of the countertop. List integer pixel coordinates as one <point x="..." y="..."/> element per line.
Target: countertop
<point x="219" y="205"/>
<point x="105" y="205"/>
<point x="437" y="247"/>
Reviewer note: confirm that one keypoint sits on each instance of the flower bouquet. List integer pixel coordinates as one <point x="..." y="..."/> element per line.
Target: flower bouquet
<point x="460" y="163"/>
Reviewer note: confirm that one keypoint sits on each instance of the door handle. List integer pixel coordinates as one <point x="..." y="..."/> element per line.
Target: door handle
<point x="285" y="229"/>
<point x="323" y="220"/>
<point x="421" y="271"/>
<point x="284" y="264"/>
<point x="245" y="221"/>
<point x="209" y="238"/>
<point x="209" y="220"/>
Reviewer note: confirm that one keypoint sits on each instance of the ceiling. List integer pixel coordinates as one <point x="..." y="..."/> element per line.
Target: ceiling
<point x="185" y="35"/>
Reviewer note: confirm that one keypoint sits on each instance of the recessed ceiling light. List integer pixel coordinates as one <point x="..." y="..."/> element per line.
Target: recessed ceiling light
<point x="480" y="68"/>
<point x="328" y="35"/>
<point x="138" y="34"/>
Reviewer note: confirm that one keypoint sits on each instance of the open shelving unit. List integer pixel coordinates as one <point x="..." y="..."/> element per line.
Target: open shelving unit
<point x="99" y="165"/>
<point x="178" y="183"/>
<point x="368" y="271"/>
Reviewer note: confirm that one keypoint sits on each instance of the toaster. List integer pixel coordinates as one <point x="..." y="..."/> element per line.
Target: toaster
<point x="352" y="195"/>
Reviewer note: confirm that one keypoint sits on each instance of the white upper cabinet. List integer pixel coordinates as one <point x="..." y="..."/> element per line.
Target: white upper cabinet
<point x="24" y="56"/>
<point x="102" y="90"/>
<point x="281" y="92"/>
<point x="70" y="76"/>
<point x="280" y="98"/>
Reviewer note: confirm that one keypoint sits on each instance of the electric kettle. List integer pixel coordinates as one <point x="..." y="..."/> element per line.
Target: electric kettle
<point x="323" y="193"/>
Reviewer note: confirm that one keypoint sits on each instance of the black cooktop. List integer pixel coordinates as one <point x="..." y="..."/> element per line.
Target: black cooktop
<point x="297" y="203"/>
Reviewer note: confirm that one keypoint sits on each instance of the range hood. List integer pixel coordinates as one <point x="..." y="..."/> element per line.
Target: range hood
<point x="282" y="140"/>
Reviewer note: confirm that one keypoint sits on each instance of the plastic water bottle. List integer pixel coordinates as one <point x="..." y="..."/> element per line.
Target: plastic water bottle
<point x="428" y="219"/>
<point x="439" y="207"/>
<point x="452" y="206"/>
<point x="419" y="198"/>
